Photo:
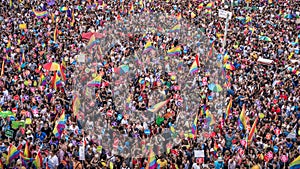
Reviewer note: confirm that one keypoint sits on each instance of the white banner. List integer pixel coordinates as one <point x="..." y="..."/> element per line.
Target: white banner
<point x="199" y="153"/>
<point x="81" y="58"/>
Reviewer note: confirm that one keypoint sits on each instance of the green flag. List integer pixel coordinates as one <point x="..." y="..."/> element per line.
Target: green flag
<point x="5" y="114"/>
<point x="16" y="124"/>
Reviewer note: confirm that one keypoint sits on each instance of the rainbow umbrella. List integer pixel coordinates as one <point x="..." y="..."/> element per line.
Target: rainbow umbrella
<point x="53" y="66"/>
<point x="229" y="66"/>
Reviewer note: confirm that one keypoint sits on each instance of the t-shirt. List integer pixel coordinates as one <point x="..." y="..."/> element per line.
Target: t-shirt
<point x="195" y="166"/>
<point x="162" y="163"/>
<point x="218" y="165"/>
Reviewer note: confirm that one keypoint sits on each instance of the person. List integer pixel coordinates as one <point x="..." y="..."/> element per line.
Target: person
<point x="258" y="68"/>
<point x="52" y="160"/>
<point x="219" y="163"/>
<point x="231" y="164"/>
<point x="162" y="162"/>
<point x="76" y="163"/>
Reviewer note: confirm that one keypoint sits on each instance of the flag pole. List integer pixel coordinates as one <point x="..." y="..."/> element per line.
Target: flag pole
<point x="225" y="34"/>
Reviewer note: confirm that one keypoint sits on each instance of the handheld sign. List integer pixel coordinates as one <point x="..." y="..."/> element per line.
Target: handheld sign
<point x="224" y="14"/>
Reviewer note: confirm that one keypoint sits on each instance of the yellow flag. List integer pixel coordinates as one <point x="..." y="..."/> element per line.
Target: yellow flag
<point x="291" y="55"/>
<point x="193" y="15"/>
<point x="111" y="165"/>
<point x="23" y="26"/>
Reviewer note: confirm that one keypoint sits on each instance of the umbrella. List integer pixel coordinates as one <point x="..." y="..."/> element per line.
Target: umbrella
<point x="265" y="38"/>
<point x="124" y="69"/>
<point x="53" y="66"/>
<point x="229" y="66"/>
<point x="216" y="88"/>
<point x="288" y="16"/>
<point x="241" y="18"/>
<point x="211" y="86"/>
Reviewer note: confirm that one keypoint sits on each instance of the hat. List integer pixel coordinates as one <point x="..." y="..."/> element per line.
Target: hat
<point x="28" y="132"/>
<point x="220" y="159"/>
<point x="19" y="161"/>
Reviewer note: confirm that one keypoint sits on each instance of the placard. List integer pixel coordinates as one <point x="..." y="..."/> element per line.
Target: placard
<point x="9" y="133"/>
<point x="81" y="153"/>
<point x="81" y="58"/>
<point x="199" y="153"/>
<point x="224" y="14"/>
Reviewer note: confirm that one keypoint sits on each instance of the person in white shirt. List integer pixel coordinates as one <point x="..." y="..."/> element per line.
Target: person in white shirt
<point x="231" y="164"/>
<point x="52" y="160"/>
<point x="73" y="127"/>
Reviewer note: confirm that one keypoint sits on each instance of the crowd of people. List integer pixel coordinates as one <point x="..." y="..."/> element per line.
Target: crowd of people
<point x="157" y="88"/>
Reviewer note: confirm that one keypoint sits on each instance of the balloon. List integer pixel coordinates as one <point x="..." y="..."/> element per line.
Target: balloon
<point x="119" y="117"/>
<point x="140" y="98"/>
<point x="275" y="149"/>
<point x="261" y="115"/>
<point x="147" y="131"/>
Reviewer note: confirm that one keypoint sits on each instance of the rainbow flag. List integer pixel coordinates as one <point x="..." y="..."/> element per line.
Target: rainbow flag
<point x="242" y="117"/>
<point x="248" y="19"/>
<point x="55" y="34"/>
<point x="56" y="82"/>
<point x="22" y="59"/>
<point x="173" y="132"/>
<point x="174" y="51"/>
<point x="8" y="46"/>
<point x="194" y="125"/>
<point x="76" y="105"/>
<point x="225" y="57"/>
<point x="252" y="131"/>
<point x="38" y="161"/>
<point x="62" y="119"/>
<point x="95" y="82"/>
<point x="270" y="1"/>
<point x="210" y="118"/>
<point x="216" y="147"/>
<point x="59" y="126"/>
<point x="61" y="73"/>
<point x="92" y="42"/>
<point x="13" y="153"/>
<point x="228" y="109"/>
<point x="176" y="28"/>
<point x="200" y="6"/>
<point x="131" y="8"/>
<point x="43" y="80"/>
<point x="148" y="47"/>
<point x="40" y="14"/>
<point x="26" y="150"/>
<point x="158" y="106"/>
<point x="209" y="5"/>
<point x="63" y="9"/>
<point x="178" y="16"/>
<point x="1" y="164"/>
<point x="25" y="160"/>
<point x="195" y="66"/>
<point x="295" y="164"/>
<point x="73" y="19"/>
<point x="151" y="161"/>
